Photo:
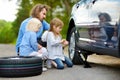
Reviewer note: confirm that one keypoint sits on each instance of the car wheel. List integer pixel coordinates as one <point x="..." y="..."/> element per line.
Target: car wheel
<point x="72" y="49"/>
<point x="19" y="66"/>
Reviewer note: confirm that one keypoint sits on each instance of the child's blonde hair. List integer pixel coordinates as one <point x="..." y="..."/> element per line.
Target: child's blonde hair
<point x="33" y="24"/>
<point x="56" y="22"/>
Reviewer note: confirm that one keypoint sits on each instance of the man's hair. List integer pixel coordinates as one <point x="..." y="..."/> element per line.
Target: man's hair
<point x="38" y="8"/>
<point x="33" y="24"/>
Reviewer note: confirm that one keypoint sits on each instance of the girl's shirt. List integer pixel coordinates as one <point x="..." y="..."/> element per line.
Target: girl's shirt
<point x="44" y="36"/>
<point x="29" y="43"/>
<point x="54" y="47"/>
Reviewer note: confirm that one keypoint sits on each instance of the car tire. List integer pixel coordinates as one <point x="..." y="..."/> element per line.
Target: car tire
<point x="20" y="66"/>
<point x="73" y="49"/>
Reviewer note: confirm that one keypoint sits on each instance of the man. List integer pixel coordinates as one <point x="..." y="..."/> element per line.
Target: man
<point x="39" y="11"/>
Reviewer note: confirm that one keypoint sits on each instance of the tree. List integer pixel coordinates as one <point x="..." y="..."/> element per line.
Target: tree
<point x="6" y="33"/>
<point x="23" y="12"/>
<point x="59" y="8"/>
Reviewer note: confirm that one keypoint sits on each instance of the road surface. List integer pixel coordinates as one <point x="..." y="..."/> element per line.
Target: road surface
<point x="103" y="68"/>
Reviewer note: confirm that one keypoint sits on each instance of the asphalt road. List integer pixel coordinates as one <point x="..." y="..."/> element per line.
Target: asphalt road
<point x="103" y="68"/>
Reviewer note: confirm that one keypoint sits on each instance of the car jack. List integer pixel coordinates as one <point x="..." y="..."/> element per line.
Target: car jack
<point x="83" y="58"/>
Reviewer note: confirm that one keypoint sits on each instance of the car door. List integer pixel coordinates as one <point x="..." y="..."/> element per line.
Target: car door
<point x="104" y="17"/>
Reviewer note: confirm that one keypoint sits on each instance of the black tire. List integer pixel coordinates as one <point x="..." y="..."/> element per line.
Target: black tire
<point x="19" y="66"/>
<point x="73" y="49"/>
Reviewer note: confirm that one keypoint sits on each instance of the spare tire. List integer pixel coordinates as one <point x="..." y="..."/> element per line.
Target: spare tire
<point x="20" y="66"/>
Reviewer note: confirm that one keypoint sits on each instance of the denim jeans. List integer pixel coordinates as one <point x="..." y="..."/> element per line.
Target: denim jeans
<point x="60" y="63"/>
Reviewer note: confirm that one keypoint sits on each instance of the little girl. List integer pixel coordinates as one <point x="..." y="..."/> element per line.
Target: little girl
<point x="29" y="45"/>
<point x="55" y="45"/>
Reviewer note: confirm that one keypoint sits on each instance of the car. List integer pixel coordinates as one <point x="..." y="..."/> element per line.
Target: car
<point x="94" y="28"/>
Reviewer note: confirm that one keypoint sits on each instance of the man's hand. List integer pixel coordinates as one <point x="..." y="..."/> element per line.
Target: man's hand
<point x="39" y="46"/>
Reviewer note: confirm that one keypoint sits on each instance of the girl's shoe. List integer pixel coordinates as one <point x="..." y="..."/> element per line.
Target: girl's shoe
<point x="48" y="63"/>
<point x="44" y="69"/>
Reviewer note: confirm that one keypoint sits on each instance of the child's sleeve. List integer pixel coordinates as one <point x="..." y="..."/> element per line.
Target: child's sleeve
<point x="44" y="36"/>
<point x="33" y="42"/>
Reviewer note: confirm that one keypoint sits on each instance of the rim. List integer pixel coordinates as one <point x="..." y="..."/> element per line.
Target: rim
<point x="72" y="46"/>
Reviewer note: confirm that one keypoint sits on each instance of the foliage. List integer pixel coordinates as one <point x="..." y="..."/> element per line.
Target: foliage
<point x="6" y="33"/>
<point x="59" y="8"/>
<point x="23" y="12"/>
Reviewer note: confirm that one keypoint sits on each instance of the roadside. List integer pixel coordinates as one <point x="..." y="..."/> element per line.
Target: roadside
<point x="104" y="60"/>
<point x="7" y="50"/>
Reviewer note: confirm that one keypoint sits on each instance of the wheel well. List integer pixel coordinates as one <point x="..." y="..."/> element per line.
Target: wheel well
<point x="71" y="25"/>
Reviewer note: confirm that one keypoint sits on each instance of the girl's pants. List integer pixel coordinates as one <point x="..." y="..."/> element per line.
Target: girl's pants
<point x="60" y="63"/>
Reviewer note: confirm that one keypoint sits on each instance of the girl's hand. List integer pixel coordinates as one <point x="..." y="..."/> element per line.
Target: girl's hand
<point x="64" y="42"/>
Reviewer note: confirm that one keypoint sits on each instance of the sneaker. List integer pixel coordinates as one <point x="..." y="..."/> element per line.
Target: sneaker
<point x="48" y="64"/>
<point x="44" y="69"/>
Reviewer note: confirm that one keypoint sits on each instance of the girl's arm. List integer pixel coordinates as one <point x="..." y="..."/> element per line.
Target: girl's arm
<point x="52" y="41"/>
<point x="64" y="42"/>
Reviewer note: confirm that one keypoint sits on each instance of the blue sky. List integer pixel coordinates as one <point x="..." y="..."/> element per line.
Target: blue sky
<point x="8" y="9"/>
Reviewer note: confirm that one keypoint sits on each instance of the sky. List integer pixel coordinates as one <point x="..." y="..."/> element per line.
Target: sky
<point x="8" y="9"/>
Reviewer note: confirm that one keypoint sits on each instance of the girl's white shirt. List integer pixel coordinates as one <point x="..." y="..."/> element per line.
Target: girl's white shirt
<point x="44" y="36"/>
<point x="54" y="47"/>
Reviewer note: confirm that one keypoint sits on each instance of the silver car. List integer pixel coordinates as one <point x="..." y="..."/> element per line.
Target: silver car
<point x="94" y="27"/>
